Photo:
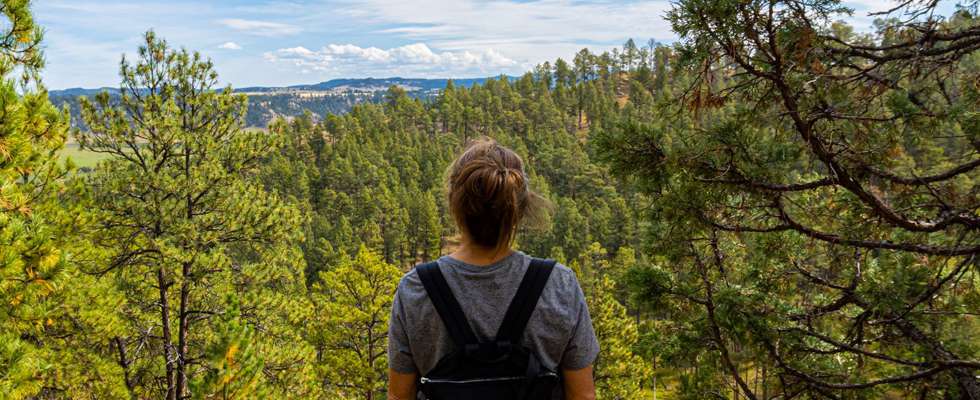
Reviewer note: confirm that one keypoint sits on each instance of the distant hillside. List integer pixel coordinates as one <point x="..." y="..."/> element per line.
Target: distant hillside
<point x="74" y="92"/>
<point x="368" y="84"/>
<point x="335" y="96"/>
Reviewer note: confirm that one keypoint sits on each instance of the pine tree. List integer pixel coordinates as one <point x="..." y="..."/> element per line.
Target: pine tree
<point x="431" y="233"/>
<point x="178" y="202"/>
<point x="620" y="372"/>
<point x="31" y="130"/>
<point x="350" y="329"/>
<point x="52" y="317"/>
<point x="813" y="199"/>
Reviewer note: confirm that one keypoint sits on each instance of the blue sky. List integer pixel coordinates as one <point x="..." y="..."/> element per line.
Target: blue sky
<point x="284" y="42"/>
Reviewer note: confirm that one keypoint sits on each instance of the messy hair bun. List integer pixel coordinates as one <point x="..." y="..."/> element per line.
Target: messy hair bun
<point x="489" y="195"/>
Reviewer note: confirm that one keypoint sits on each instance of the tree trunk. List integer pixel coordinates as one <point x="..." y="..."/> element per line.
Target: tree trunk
<point x="182" y="331"/>
<point x="124" y="364"/>
<point x="414" y="252"/>
<point x="654" y="378"/>
<point x="165" y="320"/>
<point x="719" y="339"/>
<point x="765" y="389"/>
<point x="369" y="391"/>
<point x="185" y="273"/>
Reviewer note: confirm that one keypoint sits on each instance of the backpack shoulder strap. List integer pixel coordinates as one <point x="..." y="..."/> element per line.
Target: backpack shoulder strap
<point x="446" y="305"/>
<point x="522" y="306"/>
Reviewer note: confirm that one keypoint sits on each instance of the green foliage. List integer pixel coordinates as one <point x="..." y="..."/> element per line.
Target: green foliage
<point x="353" y="302"/>
<point x="375" y="176"/>
<point x="235" y="369"/>
<point x="47" y="308"/>
<point x="812" y="202"/>
<point x="201" y="259"/>
<point x="185" y="223"/>
<point x="374" y="179"/>
<point x="620" y="372"/>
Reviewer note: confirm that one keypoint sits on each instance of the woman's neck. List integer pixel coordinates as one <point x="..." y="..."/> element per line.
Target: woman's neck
<point x="473" y="254"/>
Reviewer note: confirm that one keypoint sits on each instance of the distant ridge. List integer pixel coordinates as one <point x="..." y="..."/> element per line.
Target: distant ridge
<point x="333" y="85"/>
<point x="266" y="103"/>
<point x="81" y="91"/>
<point x="421" y="84"/>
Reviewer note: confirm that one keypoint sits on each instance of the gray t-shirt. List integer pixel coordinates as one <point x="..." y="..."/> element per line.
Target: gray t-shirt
<point x="560" y="331"/>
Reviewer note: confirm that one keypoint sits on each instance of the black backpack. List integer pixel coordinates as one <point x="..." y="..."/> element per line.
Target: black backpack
<point x="498" y="369"/>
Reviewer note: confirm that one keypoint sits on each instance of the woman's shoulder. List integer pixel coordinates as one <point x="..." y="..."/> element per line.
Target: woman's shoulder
<point x="410" y="287"/>
<point x="562" y="297"/>
<point x="563" y="278"/>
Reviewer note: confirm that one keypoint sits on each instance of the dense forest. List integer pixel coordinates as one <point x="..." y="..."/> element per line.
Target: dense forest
<point x="774" y="206"/>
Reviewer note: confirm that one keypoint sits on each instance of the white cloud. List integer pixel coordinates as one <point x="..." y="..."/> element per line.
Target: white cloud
<point x="867" y="11"/>
<point x="869" y="6"/>
<point x="518" y="27"/>
<point x="90" y="35"/>
<point x="417" y="59"/>
<point x="260" y="28"/>
<point x="230" y="46"/>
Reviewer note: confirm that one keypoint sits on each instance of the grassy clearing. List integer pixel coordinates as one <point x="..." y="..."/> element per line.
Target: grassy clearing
<point x="81" y="158"/>
<point x="88" y="159"/>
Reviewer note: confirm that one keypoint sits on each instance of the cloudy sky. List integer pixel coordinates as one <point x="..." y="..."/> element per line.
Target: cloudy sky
<point x="284" y="42"/>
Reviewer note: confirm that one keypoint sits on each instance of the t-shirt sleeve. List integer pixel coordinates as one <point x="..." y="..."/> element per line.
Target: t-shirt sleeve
<point x="583" y="346"/>
<point x="399" y="353"/>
